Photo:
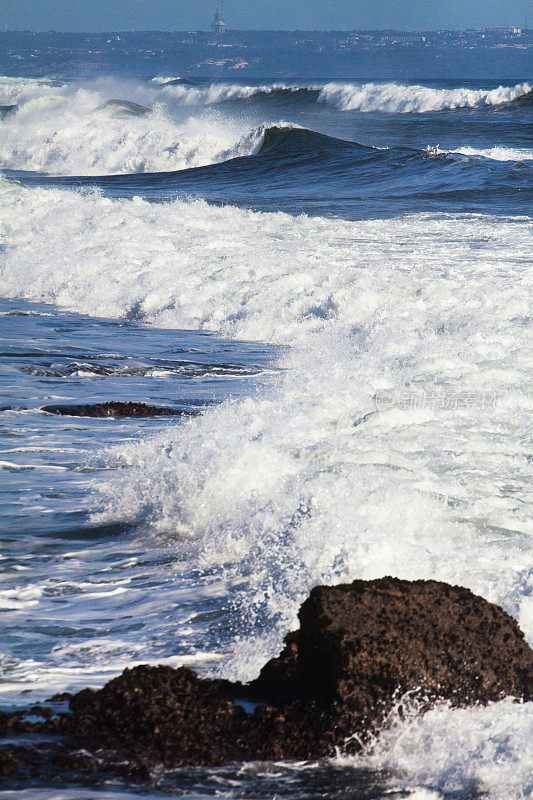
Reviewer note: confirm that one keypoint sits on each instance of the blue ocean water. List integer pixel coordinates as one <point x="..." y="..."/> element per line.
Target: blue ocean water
<point x="337" y="276"/>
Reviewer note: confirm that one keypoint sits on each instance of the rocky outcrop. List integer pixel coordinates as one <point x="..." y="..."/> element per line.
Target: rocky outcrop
<point x="117" y="408"/>
<point x="359" y="647"/>
<point x="171" y="716"/>
<point x="363" y="644"/>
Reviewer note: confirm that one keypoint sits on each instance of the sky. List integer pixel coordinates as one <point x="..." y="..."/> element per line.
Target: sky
<point x="98" y="15"/>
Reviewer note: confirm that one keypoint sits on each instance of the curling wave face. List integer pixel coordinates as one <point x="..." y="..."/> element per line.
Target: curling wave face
<point x="385" y="97"/>
<point x="112" y="126"/>
<point x="295" y="169"/>
<point x="396" y="99"/>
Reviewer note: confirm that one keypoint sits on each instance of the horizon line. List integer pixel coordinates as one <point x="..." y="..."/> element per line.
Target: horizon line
<point x="274" y="30"/>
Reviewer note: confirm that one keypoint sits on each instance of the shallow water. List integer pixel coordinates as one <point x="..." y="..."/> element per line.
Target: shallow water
<point x="78" y="597"/>
<point x="349" y="311"/>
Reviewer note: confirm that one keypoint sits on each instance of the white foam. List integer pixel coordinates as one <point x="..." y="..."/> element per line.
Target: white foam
<point x="312" y="480"/>
<point x="497" y="153"/>
<point x="18" y="90"/>
<point x="219" y="93"/>
<point x="62" y="130"/>
<point x="76" y="666"/>
<point x="67" y="129"/>
<point x="19" y="597"/>
<point x="162" y="79"/>
<point x="12" y="467"/>
<point x="271" y="277"/>
<point x="485" y="752"/>
<point x="394" y="98"/>
<point x="381" y="97"/>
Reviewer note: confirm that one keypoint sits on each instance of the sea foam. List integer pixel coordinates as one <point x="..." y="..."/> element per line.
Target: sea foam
<point x="381" y="97"/>
<point x="497" y="153"/>
<point x="457" y="753"/>
<point x="358" y="458"/>
<point x="72" y="129"/>
<point x="69" y="130"/>
<point x="388" y="442"/>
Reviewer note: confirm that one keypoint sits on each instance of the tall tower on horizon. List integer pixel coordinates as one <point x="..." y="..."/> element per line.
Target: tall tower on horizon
<point x="218" y="26"/>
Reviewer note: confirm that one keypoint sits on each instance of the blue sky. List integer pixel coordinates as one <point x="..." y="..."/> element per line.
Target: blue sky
<point x="91" y="15"/>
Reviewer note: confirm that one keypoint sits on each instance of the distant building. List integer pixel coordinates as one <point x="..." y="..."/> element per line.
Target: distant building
<point x="403" y="39"/>
<point x="218" y="26"/>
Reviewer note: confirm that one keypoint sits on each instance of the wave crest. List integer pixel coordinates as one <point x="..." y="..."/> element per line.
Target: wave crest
<point x="62" y="131"/>
<point x="377" y="97"/>
<point x="393" y="98"/>
<point x="310" y="473"/>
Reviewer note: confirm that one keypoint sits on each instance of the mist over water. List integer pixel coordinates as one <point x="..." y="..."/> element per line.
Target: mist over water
<point x="337" y="276"/>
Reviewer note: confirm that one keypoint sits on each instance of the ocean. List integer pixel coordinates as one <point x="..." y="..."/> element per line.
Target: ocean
<point x="337" y="276"/>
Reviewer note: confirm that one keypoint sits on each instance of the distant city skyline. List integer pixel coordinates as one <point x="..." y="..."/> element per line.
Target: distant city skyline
<point x="99" y="15"/>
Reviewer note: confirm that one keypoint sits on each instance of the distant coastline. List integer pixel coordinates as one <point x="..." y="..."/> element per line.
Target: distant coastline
<point x="498" y="53"/>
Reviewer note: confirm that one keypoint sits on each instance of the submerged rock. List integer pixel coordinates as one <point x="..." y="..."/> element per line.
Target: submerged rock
<point x="359" y="647"/>
<point x="117" y="408"/>
<point x="9" y="765"/>
<point x="124" y="108"/>
<point x="5" y="111"/>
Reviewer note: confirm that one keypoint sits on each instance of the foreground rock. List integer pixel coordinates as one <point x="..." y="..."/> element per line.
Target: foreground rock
<point x="358" y="648"/>
<point x="116" y="409"/>
<point x="361" y="645"/>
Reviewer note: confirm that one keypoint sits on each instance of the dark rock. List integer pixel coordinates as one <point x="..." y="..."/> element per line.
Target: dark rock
<point x="9" y="765"/>
<point x="16" y="722"/>
<point x="165" y="715"/>
<point x="11" y="722"/>
<point x="41" y="711"/>
<point x="359" y="646"/>
<point x="362" y="644"/>
<point x="60" y="697"/>
<point x="118" y="409"/>
<point x="279" y="677"/>
<point x="171" y="716"/>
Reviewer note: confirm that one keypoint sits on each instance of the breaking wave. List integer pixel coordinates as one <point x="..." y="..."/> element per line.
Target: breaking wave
<point x="387" y="441"/>
<point x="476" y="752"/>
<point x="386" y="97"/>
<point x="396" y="99"/>
<point x="68" y="130"/>
<point x="223" y="93"/>
<point x="311" y="480"/>
<point x="497" y="153"/>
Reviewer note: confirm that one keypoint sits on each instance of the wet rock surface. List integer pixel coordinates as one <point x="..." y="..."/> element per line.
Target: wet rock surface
<point x="360" y="644"/>
<point x="118" y="409"/>
<point x="56" y="762"/>
<point x="171" y="717"/>
<point x="359" y="647"/>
